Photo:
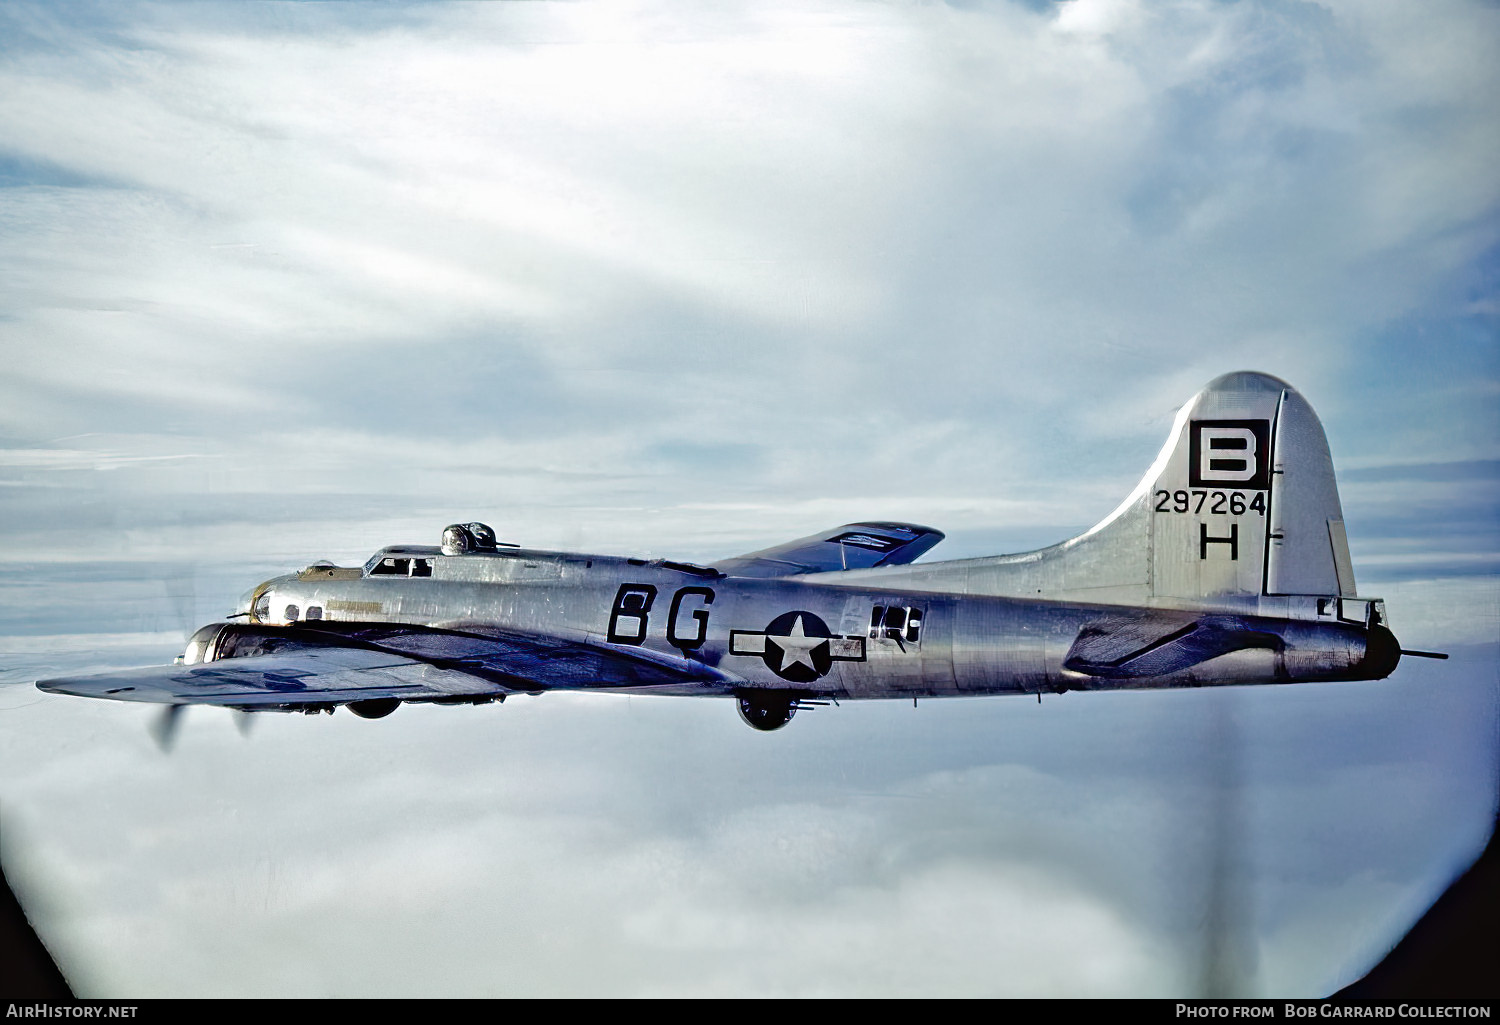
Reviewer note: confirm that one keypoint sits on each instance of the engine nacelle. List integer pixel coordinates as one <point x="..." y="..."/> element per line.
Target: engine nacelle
<point x="239" y="640"/>
<point x="202" y="646"/>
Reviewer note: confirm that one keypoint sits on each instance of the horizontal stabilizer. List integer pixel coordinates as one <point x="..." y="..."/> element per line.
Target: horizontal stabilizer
<point x="852" y="546"/>
<point x="1134" y="648"/>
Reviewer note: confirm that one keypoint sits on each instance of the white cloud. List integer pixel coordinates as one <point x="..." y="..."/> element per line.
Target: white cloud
<point x="971" y="188"/>
<point x="632" y="279"/>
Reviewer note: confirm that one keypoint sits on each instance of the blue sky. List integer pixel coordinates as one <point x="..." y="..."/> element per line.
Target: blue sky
<point x="284" y="282"/>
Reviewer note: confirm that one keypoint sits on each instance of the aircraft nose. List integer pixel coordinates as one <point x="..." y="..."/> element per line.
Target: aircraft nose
<point x="255" y="603"/>
<point x="242" y="607"/>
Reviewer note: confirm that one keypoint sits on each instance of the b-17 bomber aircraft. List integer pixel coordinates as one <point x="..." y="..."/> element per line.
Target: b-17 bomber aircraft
<point x="1228" y="564"/>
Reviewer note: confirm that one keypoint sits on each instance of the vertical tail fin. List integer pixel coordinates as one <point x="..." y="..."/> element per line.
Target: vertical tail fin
<point x="1241" y="502"/>
<point x="1245" y="501"/>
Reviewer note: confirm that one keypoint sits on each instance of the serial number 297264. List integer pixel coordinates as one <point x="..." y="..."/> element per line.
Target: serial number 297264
<point x="1217" y="503"/>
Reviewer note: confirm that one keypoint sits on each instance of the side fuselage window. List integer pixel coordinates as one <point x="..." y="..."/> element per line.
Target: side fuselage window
<point x="896" y="623"/>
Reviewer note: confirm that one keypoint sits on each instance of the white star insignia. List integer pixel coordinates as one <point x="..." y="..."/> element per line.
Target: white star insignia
<point x="796" y="646"/>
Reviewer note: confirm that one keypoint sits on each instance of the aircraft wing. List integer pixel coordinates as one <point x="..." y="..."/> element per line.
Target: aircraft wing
<point x="852" y="546"/>
<point x="293" y="668"/>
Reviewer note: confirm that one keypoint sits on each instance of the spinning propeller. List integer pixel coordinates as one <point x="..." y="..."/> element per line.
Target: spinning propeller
<point x="181" y="584"/>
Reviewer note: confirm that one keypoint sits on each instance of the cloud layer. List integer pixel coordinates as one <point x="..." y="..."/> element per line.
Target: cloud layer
<point x="286" y="282"/>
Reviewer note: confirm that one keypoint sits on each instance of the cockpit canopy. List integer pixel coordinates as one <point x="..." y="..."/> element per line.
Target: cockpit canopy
<point x="402" y="561"/>
<point x="401" y="566"/>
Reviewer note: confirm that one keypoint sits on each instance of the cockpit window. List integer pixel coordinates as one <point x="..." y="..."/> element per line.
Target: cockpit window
<point x="392" y="566"/>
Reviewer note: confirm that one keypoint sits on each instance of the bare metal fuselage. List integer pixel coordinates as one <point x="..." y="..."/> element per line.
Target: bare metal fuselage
<point x="819" y="638"/>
